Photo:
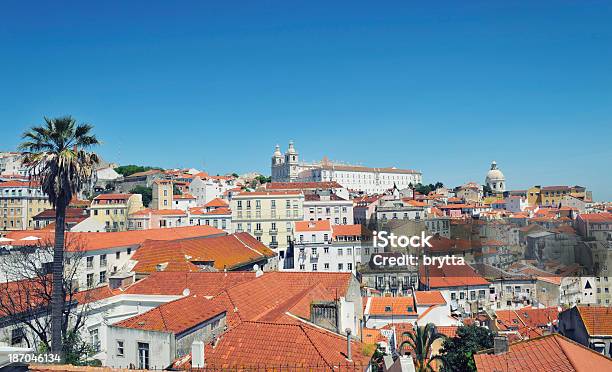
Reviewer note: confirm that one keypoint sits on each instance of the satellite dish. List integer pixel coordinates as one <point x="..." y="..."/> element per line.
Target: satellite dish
<point x="256" y="267"/>
<point x="186" y="292"/>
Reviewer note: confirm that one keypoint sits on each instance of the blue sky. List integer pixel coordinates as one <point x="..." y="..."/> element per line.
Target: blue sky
<point x="443" y="87"/>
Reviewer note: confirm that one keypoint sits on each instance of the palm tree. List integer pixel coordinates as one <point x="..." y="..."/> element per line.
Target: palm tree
<point x="54" y="154"/>
<point x="420" y="342"/>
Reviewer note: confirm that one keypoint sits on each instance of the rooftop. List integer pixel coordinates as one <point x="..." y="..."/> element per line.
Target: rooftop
<point x="547" y="353"/>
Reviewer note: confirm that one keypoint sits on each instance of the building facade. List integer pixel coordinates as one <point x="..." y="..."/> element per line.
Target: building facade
<point x="288" y="168"/>
<point x="20" y="202"/>
<point x="268" y="215"/>
<point x="113" y="209"/>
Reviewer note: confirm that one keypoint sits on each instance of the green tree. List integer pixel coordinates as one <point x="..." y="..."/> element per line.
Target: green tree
<point x="176" y="190"/>
<point x="458" y="352"/>
<point x="263" y="179"/>
<point x="420" y="342"/>
<point x="126" y="170"/>
<point x="486" y="189"/>
<point x="146" y="192"/>
<point x="55" y="155"/>
<point x="235" y="175"/>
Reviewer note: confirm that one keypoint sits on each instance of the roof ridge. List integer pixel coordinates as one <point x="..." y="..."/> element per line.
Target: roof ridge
<point x="313" y="345"/>
<point x="577" y="344"/>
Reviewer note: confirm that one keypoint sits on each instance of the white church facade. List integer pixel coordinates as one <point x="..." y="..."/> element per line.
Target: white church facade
<point x="288" y="168"/>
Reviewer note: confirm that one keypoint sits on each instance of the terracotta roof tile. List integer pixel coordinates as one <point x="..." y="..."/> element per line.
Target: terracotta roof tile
<point x="306" y="226"/>
<point x="547" y="353"/>
<point x="226" y="252"/>
<point x="429" y="298"/>
<point x="596" y="319"/>
<point x="216" y="202"/>
<point x="90" y="241"/>
<point x="194" y="310"/>
<point x="392" y="306"/>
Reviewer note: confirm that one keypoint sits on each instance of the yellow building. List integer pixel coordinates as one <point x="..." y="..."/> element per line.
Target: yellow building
<point x="20" y="201"/>
<point x="113" y="209"/>
<point x="162" y="194"/>
<point x="550" y="196"/>
<point x="268" y="215"/>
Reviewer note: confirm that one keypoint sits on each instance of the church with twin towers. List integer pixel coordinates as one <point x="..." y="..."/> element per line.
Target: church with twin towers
<point x="287" y="167"/>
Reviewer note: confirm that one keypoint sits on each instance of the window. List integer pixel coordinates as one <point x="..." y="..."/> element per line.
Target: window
<point x="326" y="266"/>
<point x="103" y="260"/>
<point x="314" y="267"/>
<point x="325" y="249"/>
<point x="94" y="339"/>
<point x="120" y="349"/>
<point x="349" y="266"/>
<point x="90" y="280"/>
<point x="90" y="262"/>
<point x="17" y="336"/>
<point x="143" y="355"/>
<point x="453" y="296"/>
<point x="117" y="255"/>
<point x="340" y="267"/>
<point x="103" y="276"/>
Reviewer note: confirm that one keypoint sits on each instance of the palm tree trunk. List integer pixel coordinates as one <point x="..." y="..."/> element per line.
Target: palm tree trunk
<point x="58" y="298"/>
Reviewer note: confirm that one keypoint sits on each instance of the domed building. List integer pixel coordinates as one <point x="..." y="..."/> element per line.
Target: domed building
<point x="495" y="179"/>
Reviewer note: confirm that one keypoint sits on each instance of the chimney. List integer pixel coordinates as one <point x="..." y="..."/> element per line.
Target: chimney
<point x="348" y="344"/>
<point x="500" y="344"/>
<point x="197" y="354"/>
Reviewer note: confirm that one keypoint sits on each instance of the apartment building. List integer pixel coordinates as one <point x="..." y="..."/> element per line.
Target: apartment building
<point x="321" y="246"/>
<point x="553" y="195"/>
<point x="113" y="209"/>
<point x="20" y="201"/>
<point x="268" y="215"/>
<point x="162" y="194"/>
<point x="328" y="206"/>
<point x="594" y="225"/>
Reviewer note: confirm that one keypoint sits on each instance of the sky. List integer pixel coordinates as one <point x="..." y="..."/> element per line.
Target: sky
<point x="442" y="87"/>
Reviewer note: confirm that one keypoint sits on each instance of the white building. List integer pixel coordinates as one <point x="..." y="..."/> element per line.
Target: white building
<point x="183" y="202"/>
<point x="208" y="188"/>
<point x="495" y="179"/>
<point x="516" y="204"/>
<point x="321" y="246"/>
<point x="328" y="206"/>
<point x="11" y="164"/>
<point x="578" y="291"/>
<point x="288" y="168"/>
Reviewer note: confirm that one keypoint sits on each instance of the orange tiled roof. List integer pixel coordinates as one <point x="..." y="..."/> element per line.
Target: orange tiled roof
<point x="216" y="202"/>
<point x="183" y="196"/>
<point x="276" y="345"/>
<point x="226" y="252"/>
<point x="19" y="184"/>
<point x="174" y="283"/>
<point x="596" y="319"/>
<point x="90" y="241"/>
<point x="305" y="226"/>
<point x="159" y="212"/>
<point x="392" y="306"/>
<point x="547" y="353"/>
<point x="596" y="217"/>
<point x="267" y="193"/>
<point x="193" y="309"/>
<point x="113" y="197"/>
<point x="429" y="298"/>
<point x="452" y="276"/>
<point x="347" y="230"/>
<point x="219" y="211"/>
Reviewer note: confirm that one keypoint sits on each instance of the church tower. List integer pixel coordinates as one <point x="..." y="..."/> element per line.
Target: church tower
<point x="292" y="163"/>
<point x="277" y="165"/>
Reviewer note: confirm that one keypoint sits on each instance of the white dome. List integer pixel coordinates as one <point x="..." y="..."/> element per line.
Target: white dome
<point x="495" y="174"/>
<point x="277" y="151"/>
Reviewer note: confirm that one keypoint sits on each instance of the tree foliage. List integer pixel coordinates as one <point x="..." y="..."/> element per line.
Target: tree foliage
<point x="26" y="298"/>
<point x="126" y="170"/>
<point x="263" y="179"/>
<point x="420" y="342"/>
<point x="55" y="155"/>
<point x="146" y="192"/>
<point x="426" y="189"/>
<point x="458" y="352"/>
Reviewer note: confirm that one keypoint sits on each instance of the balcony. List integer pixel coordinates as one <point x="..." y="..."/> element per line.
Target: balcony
<point x="258" y="231"/>
<point x="273" y="231"/>
<point x="273" y="245"/>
